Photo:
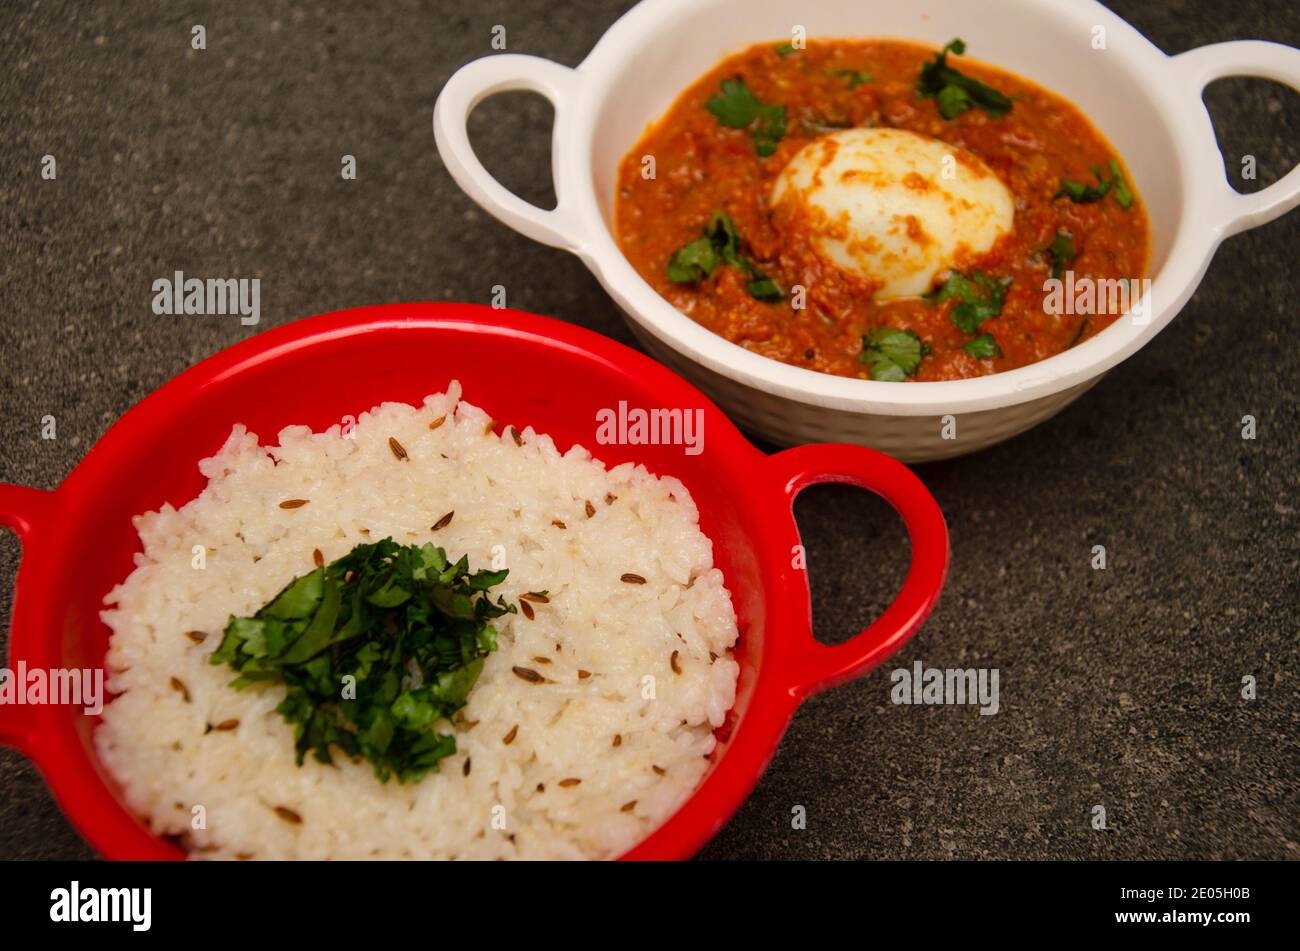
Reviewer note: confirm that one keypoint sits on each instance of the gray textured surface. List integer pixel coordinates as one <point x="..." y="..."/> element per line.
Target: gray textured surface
<point x="1118" y="687"/>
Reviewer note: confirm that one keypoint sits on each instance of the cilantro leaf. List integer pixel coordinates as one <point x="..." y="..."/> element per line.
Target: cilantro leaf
<point x="693" y="262"/>
<point x="954" y="91"/>
<point x="785" y="49"/>
<point x="720" y="245"/>
<point x="1123" y="196"/>
<point x="983" y="347"/>
<point x="770" y="132"/>
<point x="737" y="108"/>
<point x="764" y="289"/>
<point x="373" y="650"/>
<point x="856" y="77"/>
<point x="299" y="599"/>
<point x="980" y="297"/>
<point x="893" y="355"/>
<point x="953" y="101"/>
<point x="1062" y="253"/>
<point x="1079" y="193"/>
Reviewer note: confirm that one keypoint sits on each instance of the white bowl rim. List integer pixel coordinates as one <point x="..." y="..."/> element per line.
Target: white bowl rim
<point x="1211" y="209"/>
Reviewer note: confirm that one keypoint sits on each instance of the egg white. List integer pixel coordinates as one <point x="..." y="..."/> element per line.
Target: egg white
<point x="893" y="206"/>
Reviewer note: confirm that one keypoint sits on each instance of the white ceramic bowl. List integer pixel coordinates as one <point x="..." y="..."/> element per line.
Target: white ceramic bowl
<point x="1146" y="103"/>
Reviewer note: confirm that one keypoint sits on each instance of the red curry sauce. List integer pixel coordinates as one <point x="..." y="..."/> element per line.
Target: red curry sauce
<point x="702" y="166"/>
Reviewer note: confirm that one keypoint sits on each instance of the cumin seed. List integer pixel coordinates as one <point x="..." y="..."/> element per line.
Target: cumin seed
<point x="398" y="452"/>
<point x="627" y="806"/>
<point x="675" y="662"/>
<point x="196" y="636"/>
<point x="514" y="434"/>
<point x="464" y="771"/>
<point x="318" y="558"/>
<point x="528" y="674"/>
<point x="226" y="725"/>
<point x="610" y="498"/>
<point x="438" y="422"/>
<point x="542" y="660"/>
<point x="591" y="509"/>
<point x="179" y="687"/>
<point x="558" y="524"/>
<point x="510" y="737"/>
<point x="630" y="578"/>
<point x="535" y="596"/>
<point x="294" y="503"/>
<point x="527" y="609"/>
<point x="444" y="521"/>
<point x="659" y="770"/>
<point x="288" y="815"/>
<point x="618" y="739"/>
<point x="571" y="781"/>
<point x="584" y="674"/>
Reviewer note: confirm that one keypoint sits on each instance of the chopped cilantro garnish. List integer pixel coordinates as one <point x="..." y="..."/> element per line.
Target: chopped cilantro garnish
<point x="373" y="649"/>
<point x="765" y="289"/>
<point x="953" y="101"/>
<point x="693" y="262"/>
<point x="698" y="260"/>
<point x="1078" y="192"/>
<point x="1123" y="196"/>
<point x="737" y="108"/>
<point x="980" y="297"/>
<point x="954" y="91"/>
<point x="720" y="245"/>
<point x="893" y="355"/>
<point x="785" y="49"/>
<point x="1062" y="253"/>
<point x="856" y="77"/>
<point x="983" y="347"/>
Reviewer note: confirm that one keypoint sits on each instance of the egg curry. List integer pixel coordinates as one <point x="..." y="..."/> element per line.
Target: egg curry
<point x="878" y="209"/>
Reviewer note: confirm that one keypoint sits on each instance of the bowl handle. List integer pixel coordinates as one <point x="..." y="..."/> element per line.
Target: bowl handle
<point x="21" y="509"/>
<point x="1200" y="67"/>
<point x="470" y="85"/>
<point x="812" y="666"/>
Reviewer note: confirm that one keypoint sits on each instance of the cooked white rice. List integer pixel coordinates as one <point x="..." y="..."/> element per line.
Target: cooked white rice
<point x="631" y="731"/>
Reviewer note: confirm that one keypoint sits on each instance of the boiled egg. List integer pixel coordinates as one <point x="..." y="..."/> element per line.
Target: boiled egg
<point x="893" y="207"/>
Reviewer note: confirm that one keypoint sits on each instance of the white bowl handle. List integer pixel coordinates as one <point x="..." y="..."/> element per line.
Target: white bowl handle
<point x="1200" y="67"/>
<point x="470" y="85"/>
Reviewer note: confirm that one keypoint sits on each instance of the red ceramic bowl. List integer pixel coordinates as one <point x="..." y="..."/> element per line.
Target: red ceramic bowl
<point x="78" y="540"/>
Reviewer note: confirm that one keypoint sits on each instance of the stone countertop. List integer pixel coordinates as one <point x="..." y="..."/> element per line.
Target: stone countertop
<point x="1119" y="688"/>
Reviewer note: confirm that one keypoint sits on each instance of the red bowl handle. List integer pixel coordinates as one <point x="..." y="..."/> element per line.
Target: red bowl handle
<point x="811" y="666"/>
<point x="23" y="510"/>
